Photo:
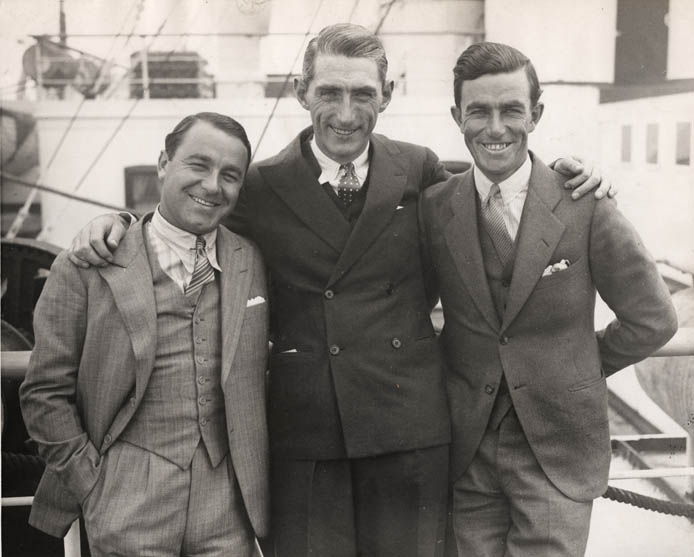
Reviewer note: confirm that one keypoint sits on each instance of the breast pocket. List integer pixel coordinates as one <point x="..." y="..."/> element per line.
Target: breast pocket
<point x="561" y="276"/>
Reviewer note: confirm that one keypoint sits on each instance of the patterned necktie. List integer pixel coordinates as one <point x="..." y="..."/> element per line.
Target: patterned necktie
<point x="348" y="186"/>
<point x="203" y="272"/>
<point x="494" y="222"/>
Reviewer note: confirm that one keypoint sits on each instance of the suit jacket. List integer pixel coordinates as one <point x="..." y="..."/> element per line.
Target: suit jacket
<point x="545" y="345"/>
<point x="355" y="369"/>
<point x="95" y="346"/>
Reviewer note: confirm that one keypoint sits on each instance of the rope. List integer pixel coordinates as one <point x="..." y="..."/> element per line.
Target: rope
<point x="649" y="503"/>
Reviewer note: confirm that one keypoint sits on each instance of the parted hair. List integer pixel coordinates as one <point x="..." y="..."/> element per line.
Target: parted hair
<point x="493" y="58"/>
<point x="224" y="123"/>
<point x="345" y="39"/>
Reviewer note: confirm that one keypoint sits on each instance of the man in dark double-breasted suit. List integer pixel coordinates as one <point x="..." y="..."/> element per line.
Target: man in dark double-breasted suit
<point x="518" y="265"/>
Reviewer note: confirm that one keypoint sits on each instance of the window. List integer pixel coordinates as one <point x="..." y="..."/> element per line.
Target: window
<point x="652" y="143"/>
<point x="626" y="143"/>
<point x="141" y="188"/>
<point x="684" y="142"/>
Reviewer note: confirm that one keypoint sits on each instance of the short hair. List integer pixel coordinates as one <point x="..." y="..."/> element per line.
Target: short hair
<point x="493" y="58"/>
<point x="345" y="39"/>
<point x="224" y="123"/>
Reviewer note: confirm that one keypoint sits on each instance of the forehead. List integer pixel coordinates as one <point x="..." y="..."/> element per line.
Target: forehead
<point x="203" y="139"/>
<point x="344" y="71"/>
<point x="496" y="89"/>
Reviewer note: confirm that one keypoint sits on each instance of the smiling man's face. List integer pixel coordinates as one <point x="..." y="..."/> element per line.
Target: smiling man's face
<point x="202" y="180"/>
<point x="344" y="97"/>
<point x="495" y="116"/>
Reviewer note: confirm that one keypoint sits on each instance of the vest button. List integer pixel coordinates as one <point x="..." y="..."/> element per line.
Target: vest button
<point x="396" y="343"/>
<point x="334" y="349"/>
<point x="489" y="389"/>
<point x="203" y="422"/>
<point x="108" y="438"/>
<point x="505" y="283"/>
<point x="329" y="294"/>
<point x="503" y="340"/>
<point x="200" y="360"/>
<point x="202" y="400"/>
<point x="201" y="380"/>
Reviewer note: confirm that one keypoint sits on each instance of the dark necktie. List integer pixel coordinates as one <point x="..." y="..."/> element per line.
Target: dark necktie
<point x="494" y="222"/>
<point x="348" y="186"/>
<point x="203" y="272"/>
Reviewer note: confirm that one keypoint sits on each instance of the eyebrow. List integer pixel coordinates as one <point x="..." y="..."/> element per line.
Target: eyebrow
<point x="510" y="104"/>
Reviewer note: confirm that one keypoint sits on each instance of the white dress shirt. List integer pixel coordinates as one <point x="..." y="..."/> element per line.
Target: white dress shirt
<point x="175" y="249"/>
<point x="514" y="190"/>
<point x="330" y="170"/>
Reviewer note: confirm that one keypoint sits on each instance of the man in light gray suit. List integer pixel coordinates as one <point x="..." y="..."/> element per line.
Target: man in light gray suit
<point x="145" y="390"/>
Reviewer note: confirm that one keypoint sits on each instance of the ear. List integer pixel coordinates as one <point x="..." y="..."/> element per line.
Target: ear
<point x="162" y="163"/>
<point x="535" y="115"/>
<point x="457" y="116"/>
<point x="300" y="89"/>
<point x="387" y="92"/>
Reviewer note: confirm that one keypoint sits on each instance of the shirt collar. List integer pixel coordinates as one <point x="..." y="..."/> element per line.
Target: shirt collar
<point x="515" y="184"/>
<point x="182" y="243"/>
<point x="330" y="169"/>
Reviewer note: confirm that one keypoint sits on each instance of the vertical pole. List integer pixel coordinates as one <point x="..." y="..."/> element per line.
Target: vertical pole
<point x="39" y="69"/>
<point x="71" y="541"/>
<point x="145" y="72"/>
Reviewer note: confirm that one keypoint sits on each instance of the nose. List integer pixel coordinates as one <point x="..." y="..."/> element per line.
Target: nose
<point x="210" y="183"/>
<point x="345" y="111"/>
<point x="495" y="125"/>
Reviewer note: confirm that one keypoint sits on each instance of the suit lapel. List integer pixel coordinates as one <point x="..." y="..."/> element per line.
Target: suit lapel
<point x="387" y="179"/>
<point x="539" y="233"/>
<point x="235" y="281"/>
<point x="130" y="281"/>
<point x="293" y="180"/>
<point x="462" y="237"/>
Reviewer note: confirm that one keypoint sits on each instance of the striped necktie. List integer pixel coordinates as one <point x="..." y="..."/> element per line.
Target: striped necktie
<point x="494" y="222"/>
<point x="348" y="186"/>
<point x="203" y="272"/>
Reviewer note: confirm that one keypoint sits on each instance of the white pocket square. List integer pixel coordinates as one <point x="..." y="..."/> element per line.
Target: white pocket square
<point x="556" y="267"/>
<point x="399" y="207"/>
<point x="255" y="301"/>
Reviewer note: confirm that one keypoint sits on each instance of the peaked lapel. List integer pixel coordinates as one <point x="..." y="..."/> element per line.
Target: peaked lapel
<point x="292" y="179"/>
<point x="130" y="281"/>
<point x="539" y="233"/>
<point x="235" y="281"/>
<point x="387" y="180"/>
<point x="462" y="237"/>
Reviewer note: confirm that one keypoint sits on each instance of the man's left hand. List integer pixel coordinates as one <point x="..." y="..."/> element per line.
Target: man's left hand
<point x="585" y="176"/>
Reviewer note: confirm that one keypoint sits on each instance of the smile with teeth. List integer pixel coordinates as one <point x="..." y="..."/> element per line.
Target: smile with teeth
<point x="203" y="202"/>
<point x="342" y="131"/>
<point x="495" y="146"/>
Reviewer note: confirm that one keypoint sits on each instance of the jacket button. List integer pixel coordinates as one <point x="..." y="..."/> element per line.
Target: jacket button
<point x="334" y="349"/>
<point x="503" y="340"/>
<point x="489" y="389"/>
<point x="108" y="438"/>
<point x="132" y="401"/>
<point x="329" y="294"/>
<point x="396" y="343"/>
<point x="505" y="283"/>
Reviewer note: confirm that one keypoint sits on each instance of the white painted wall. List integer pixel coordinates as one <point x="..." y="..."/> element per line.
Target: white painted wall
<point x="681" y="29"/>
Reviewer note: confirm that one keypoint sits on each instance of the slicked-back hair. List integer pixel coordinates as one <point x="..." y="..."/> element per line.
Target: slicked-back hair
<point x="345" y="39"/>
<point x="493" y="58"/>
<point x="224" y="123"/>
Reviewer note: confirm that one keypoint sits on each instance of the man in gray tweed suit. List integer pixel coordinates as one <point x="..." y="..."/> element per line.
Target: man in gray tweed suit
<point x="145" y="390"/>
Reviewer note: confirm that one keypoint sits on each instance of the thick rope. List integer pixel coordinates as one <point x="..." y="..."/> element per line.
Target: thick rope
<point x="649" y="503"/>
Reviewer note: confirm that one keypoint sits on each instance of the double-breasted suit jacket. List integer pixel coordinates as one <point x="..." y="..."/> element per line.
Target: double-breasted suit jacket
<point x="545" y="344"/>
<point x="355" y="369"/>
<point x="96" y="340"/>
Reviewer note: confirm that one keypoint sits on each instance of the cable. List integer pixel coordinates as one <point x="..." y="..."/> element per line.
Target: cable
<point x="649" y="503"/>
<point x="62" y="193"/>
<point x="286" y="80"/>
<point x="383" y="18"/>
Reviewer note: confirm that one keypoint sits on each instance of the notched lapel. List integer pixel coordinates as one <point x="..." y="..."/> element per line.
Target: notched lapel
<point x="235" y="261"/>
<point x="387" y="180"/>
<point x="292" y="179"/>
<point x="463" y="241"/>
<point x="130" y="281"/>
<point x="539" y="233"/>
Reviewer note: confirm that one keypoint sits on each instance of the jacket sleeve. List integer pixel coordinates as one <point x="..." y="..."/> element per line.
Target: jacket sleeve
<point x="628" y="280"/>
<point x="49" y="393"/>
